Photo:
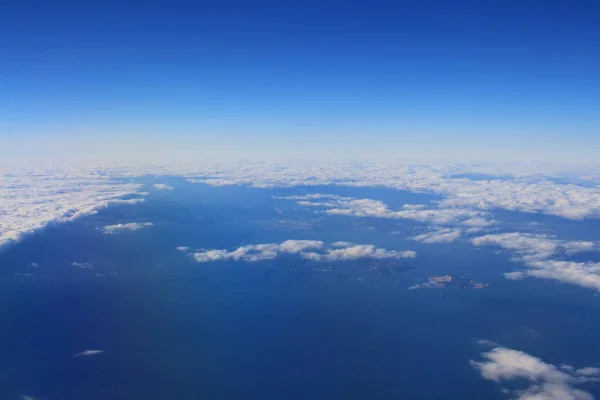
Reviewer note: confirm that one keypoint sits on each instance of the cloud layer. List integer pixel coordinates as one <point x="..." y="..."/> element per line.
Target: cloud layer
<point x="542" y="381"/>
<point x="308" y="249"/>
<point x="33" y="197"/>
<point x="30" y="199"/>
<point x="529" y="188"/>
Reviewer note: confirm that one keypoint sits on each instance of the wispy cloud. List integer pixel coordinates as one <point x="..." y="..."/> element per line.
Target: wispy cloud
<point x="81" y="265"/>
<point x="88" y="353"/>
<point x="443" y="235"/>
<point x="131" y="226"/>
<point x="337" y="205"/>
<point x="163" y="186"/>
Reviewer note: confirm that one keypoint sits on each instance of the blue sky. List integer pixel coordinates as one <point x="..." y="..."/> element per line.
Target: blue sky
<point x="494" y="80"/>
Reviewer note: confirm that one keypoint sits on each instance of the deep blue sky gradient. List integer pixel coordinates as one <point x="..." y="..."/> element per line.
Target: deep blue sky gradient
<point x="496" y="75"/>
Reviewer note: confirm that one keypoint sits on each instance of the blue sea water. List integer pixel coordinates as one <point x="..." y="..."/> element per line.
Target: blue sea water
<point x="174" y="329"/>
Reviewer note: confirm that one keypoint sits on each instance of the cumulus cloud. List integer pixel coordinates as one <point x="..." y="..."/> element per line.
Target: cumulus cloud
<point x="536" y="253"/>
<point x="360" y="251"/>
<point x="314" y="250"/>
<point x="535" y="245"/>
<point x="88" y="353"/>
<point x="585" y="274"/>
<point x="540" y="379"/>
<point x="131" y="226"/>
<point x="163" y="186"/>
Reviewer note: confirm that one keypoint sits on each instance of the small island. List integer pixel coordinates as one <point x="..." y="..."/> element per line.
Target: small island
<point x="441" y="281"/>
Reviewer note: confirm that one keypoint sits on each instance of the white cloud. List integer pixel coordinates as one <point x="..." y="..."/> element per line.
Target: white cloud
<point x="163" y="186"/>
<point x="532" y="193"/>
<point x="536" y="253"/>
<point x="585" y="274"/>
<point x="542" y="381"/>
<point x="88" y="353"/>
<point x="309" y="249"/>
<point x="374" y="208"/>
<point x="527" y="246"/>
<point x="82" y="265"/>
<point x="131" y="226"/>
<point x="443" y="235"/>
<point x="33" y="197"/>
<point x="30" y="199"/>
<point x="365" y="251"/>
<point x="258" y="252"/>
<point x="341" y="244"/>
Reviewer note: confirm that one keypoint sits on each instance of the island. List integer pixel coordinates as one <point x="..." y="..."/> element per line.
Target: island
<point x="441" y="281"/>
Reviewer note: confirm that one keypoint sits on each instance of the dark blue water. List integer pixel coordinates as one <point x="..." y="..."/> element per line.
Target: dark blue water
<point x="174" y="329"/>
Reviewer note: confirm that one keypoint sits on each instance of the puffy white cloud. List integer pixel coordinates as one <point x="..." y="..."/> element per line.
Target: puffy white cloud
<point x="365" y="251"/>
<point x="258" y="252"/>
<point x="309" y="249"/>
<point x="131" y="226"/>
<point x="443" y="235"/>
<point x="542" y="381"/>
<point x="163" y="186"/>
<point x="535" y="246"/>
<point x="585" y="274"/>
<point x="528" y="246"/>
<point x="536" y="251"/>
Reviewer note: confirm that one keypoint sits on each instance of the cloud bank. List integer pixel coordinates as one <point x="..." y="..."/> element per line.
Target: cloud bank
<point x="34" y="196"/>
<point x="30" y="199"/>
<point x="532" y="191"/>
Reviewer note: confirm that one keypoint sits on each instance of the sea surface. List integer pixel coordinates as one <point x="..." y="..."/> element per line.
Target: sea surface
<point x="171" y="328"/>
